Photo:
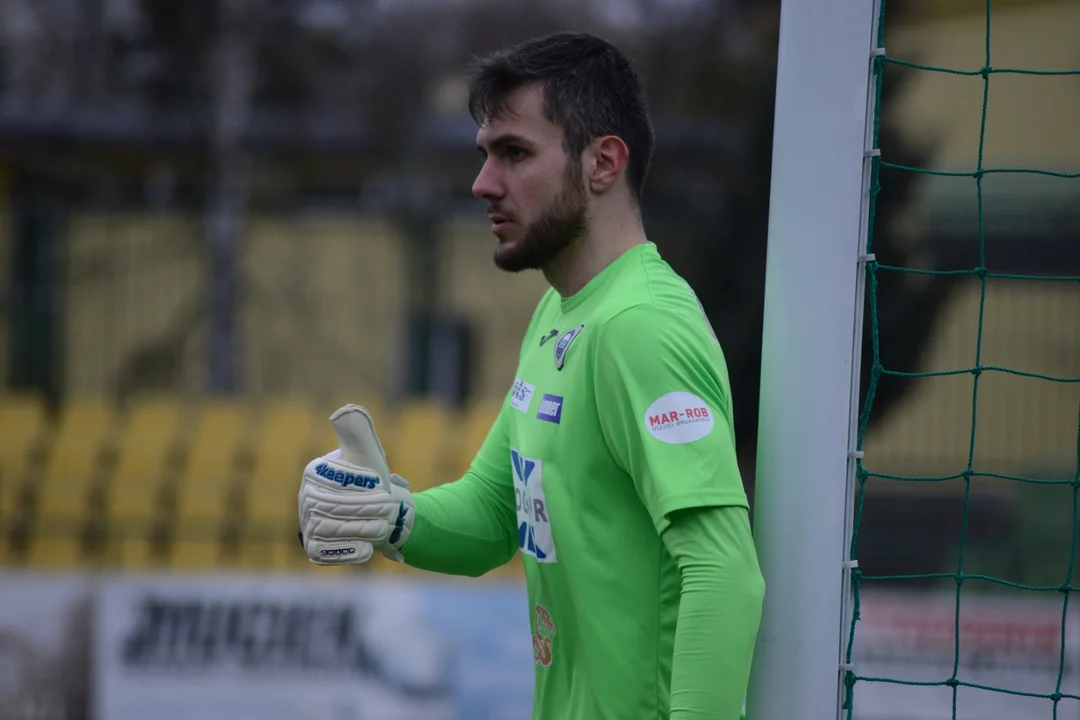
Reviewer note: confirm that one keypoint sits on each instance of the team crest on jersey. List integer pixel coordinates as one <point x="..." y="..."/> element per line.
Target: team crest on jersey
<point x="564" y="344"/>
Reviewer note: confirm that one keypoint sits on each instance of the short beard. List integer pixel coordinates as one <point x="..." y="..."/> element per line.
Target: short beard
<point x="560" y="224"/>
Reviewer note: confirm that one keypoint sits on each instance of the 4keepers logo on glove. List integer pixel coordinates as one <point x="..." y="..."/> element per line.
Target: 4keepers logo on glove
<point x="350" y="504"/>
<point x="345" y="479"/>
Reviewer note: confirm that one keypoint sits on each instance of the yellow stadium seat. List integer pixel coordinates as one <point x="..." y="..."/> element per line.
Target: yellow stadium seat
<point x="272" y="543"/>
<point x="280" y="453"/>
<point x="281" y="448"/>
<point x="132" y="496"/>
<point x="475" y="425"/>
<point x="280" y="552"/>
<point x="196" y="553"/>
<point x="54" y="552"/>
<point x="417" y="451"/>
<point x="323" y="439"/>
<point x="22" y="425"/>
<point x="86" y="427"/>
<point x="208" y="479"/>
<point x="134" y="553"/>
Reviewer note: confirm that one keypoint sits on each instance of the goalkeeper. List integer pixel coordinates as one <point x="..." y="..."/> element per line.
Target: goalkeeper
<point x="611" y="467"/>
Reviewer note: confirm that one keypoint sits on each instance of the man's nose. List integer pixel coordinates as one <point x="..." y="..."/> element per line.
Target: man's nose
<point x="487" y="184"/>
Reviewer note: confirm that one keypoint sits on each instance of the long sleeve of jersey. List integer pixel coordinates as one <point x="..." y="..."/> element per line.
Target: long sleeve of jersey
<point x="468" y="527"/>
<point x="719" y="611"/>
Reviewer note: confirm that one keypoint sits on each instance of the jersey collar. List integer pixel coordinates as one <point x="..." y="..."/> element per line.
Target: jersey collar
<point x="603" y="277"/>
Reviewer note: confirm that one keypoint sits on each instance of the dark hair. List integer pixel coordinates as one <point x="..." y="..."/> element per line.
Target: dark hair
<point x="589" y="90"/>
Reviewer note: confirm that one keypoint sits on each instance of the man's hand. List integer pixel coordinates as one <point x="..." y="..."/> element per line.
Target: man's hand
<point x="350" y="504"/>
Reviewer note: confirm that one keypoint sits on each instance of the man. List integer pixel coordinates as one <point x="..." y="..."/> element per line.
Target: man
<point x="612" y="465"/>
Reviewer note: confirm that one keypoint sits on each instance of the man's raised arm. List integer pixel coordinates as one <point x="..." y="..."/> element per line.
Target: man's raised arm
<point x="468" y="527"/>
<point x="351" y="506"/>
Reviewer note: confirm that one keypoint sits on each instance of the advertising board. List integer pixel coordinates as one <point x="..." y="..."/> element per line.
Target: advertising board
<point x="300" y="648"/>
<point x="1008" y="642"/>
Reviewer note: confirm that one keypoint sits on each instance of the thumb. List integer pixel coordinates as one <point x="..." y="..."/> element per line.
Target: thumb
<point x="357" y="440"/>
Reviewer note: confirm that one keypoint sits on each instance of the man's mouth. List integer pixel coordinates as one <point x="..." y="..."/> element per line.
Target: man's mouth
<point x="498" y="221"/>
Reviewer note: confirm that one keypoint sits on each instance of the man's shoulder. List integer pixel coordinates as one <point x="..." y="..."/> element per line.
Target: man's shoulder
<point x="639" y="323"/>
<point x="654" y="284"/>
<point x="651" y="303"/>
<point x="657" y="311"/>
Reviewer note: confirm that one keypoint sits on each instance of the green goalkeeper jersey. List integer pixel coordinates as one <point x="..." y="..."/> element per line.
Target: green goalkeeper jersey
<point x="619" y="416"/>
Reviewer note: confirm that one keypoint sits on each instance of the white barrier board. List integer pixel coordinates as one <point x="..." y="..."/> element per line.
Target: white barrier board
<point x="1011" y="641"/>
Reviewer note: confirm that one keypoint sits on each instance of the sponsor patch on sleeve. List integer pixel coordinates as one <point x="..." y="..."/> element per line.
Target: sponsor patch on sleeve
<point x="679" y="418"/>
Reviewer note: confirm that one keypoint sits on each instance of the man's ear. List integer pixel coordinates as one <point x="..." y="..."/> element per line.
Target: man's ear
<point x="609" y="158"/>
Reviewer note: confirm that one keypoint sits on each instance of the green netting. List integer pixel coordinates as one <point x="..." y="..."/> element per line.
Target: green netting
<point x="864" y="474"/>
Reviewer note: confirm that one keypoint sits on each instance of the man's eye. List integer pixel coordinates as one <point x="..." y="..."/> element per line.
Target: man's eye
<point x="515" y="153"/>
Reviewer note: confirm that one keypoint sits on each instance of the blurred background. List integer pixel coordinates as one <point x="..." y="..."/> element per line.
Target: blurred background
<point x="220" y="220"/>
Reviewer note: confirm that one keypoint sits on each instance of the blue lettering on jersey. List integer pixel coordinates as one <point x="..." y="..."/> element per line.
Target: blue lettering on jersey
<point x="550" y="409"/>
<point x="523" y="466"/>
<point x="367" y="482"/>
<point x="521" y="395"/>
<point x="534" y="523"/>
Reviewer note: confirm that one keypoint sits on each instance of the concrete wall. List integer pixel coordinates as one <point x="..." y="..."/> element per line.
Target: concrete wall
<point x="323" y="304"/>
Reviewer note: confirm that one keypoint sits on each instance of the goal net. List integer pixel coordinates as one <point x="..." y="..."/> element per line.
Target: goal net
<point x="946" y="562"/>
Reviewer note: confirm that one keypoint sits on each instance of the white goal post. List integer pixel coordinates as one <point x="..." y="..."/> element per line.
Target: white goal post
<point x="810" y="354"/>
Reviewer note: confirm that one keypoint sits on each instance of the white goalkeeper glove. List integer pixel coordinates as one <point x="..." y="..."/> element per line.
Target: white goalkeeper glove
<point x="350" y="504"/>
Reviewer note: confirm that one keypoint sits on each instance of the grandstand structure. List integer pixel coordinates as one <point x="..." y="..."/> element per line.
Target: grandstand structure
<point x="137" y="468"/>
<point x="134" y="468"/>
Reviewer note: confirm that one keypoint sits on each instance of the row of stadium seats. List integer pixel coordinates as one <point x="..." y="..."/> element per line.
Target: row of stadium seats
<point x="208" y="484"/>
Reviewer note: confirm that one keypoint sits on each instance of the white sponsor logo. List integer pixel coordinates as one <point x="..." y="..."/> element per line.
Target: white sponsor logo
<point x="678" y="418"/>
<point x="534" y="525"/>
<point x="521" y="395"/>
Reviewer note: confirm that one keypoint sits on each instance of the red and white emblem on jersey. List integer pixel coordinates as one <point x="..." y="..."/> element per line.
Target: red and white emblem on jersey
<point x="542" y="637"/>
<point x="679" y="418"/>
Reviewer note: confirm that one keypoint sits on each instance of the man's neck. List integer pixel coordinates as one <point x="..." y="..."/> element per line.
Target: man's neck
<point x="587" y="256"/>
